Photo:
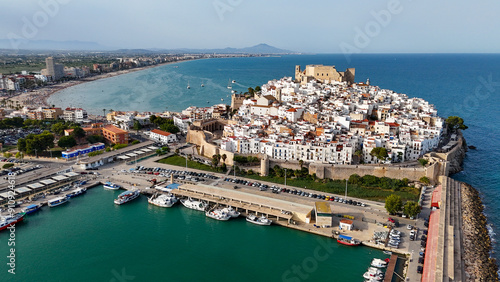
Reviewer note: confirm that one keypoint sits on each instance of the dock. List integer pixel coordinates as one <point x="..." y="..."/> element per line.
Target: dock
<point x="390" y="268"/>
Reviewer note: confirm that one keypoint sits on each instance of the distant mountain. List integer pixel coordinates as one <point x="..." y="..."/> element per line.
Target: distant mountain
<point x="25" y="44"/>
<point x="93" y="46"/>
<point x="257" y="49"/>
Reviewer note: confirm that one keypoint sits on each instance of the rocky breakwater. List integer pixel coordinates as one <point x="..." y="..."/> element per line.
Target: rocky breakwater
<point x="479" y="266"/>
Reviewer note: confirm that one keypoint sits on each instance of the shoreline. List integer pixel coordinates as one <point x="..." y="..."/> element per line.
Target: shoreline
<point x="478" y="262"/>
<point x="39" y="97"/>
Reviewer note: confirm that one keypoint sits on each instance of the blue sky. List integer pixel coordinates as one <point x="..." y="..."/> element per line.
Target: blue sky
<point x="306" y="26"/>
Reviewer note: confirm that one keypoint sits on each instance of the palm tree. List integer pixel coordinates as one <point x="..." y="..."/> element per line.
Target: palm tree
<point x="301" y="163"/>
<point x="224" y="157"/>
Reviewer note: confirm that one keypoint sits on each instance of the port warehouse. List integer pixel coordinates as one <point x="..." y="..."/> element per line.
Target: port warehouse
<point x="45" y="184"/>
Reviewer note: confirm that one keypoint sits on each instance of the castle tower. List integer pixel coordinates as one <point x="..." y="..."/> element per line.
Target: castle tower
<point x="264" y="166"/>
<point x="368" y="81"/>
<point x="236" y="101"/>
<point x="297" y="73"/>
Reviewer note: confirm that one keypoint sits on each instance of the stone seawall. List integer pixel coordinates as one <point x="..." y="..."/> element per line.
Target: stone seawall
<point x="455" y="157"/>
<point x="479" y="266"/>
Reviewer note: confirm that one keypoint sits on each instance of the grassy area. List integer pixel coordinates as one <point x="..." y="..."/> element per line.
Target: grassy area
<point x="338" y="187"/>
<point x="181" y="161"/>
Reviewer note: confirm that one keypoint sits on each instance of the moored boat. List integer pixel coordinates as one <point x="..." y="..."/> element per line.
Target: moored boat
<point x="77" y="192"/>
<point x="347" y="240"/>
<point x="163" y="200"/>
<point x="231" y="211"/>
<point x="379" y="263"/>
<point x="252" y="218"/>
<point x="126" y="197"/>
<point x="193" y="204"/>
<point x="111" y="186"/>
<point x="57" y="201"/>
<point x="7" y="221"/>
<point x="218" y="214"/>
<point x="32" y="208"/>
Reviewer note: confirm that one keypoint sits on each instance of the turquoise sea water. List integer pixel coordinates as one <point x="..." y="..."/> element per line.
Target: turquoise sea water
<point x="90" y="237"/>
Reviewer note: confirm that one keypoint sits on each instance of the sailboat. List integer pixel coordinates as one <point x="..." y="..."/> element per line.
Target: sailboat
<point x="229" y="85"/>
<point x="202" y="85"/>
<point x="188" y="87"/>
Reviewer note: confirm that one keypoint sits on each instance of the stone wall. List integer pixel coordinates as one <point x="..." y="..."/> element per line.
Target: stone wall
<point x="199" y="138"/>
<point x="455" y="157"/>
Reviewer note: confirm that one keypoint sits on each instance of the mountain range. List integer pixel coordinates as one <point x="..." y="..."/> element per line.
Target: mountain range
<point x="93" y="46"/>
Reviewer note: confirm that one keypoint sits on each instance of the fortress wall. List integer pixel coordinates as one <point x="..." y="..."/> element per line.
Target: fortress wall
<point x="199" y="137"/>
<point x="344" y="171"/>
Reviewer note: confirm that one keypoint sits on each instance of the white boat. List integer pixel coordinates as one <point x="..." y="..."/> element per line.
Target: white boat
<point x="57" y="201"/>
<point x="379" y="263"/>
<point x="77" y="192"/>
<point x="126" y="197"/>
<point x="163" y="200"/>
<point x="388" y="252"/>
<point x="188" y="87"/>
<point x="193" y="204"/>
<point x="111" y="186"/>
<point x="233" y="81"/>
<point x="373" y="274"/>
<point x="258" y="220"/>
<point x="231" y="211"/>
<point x="229" y="85"/>
<point x="218" y="214"/>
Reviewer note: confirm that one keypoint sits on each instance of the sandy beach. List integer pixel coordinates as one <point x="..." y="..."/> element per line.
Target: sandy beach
<point x="38" y="97"/>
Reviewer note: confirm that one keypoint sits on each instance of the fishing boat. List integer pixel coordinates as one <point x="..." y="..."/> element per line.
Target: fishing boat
<point x="7" y="221"/>
<point x="218" y="214"/>
<point x="231" y="211"/>
<point x="111" y="186"/>
<point x="126" y="197"/>
<point x="77" y="192"/>
<point x="163" y="200"/>
<point x="57" y="201"/>
<point x="193" y="204"/>
<point x="347" y="240"/>
<point x="32" y="208"/>
<point x="252" y="218"/>
<point x="380" y="263"/>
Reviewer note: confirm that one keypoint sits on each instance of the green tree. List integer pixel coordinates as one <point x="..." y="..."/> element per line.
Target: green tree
<point x="358" y="154"/>
<point x="137" y="125"/>
<point x="411" y="208"/>
<point x="393" y="204"/>
<point x="19" y="155"/>
<point x="66" y="142"/>
<point x="250" y="91"/>
<point x="135" y="142"/>
<point x="7" y="165"/>
<point x="21" y="144"/>
<point x="7" y="155"/>
<point x="224" y="157"/>
<point x="95" y="139"/>
<point x="257" y="88"/>
<point x="58" y="128"/>
<point x="169" y="128"/>
<point x="301" y="163"/>
<point x="454" y="123"/>
<point x="425" y="180"/>
<point x="423" y="162"/>
<point x="215" y="161"/>
<point x="78" y="132"/>
<point x="379" y="152"/>
<point x="355" y="179"/>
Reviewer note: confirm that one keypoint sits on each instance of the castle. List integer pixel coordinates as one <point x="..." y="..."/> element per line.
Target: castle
<point x="325" y="74"/>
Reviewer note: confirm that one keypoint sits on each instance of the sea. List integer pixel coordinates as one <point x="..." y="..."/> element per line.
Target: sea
<point x="92" y="239"/>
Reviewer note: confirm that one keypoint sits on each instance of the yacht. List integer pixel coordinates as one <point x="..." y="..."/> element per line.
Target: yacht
<point x="77" y="192"/>
<point x="111" y="186"/>
<point x="218" y="214"/>
<point x="163" y="200"/>
<point x="32" y="208"/>
<point x="126" y="197"/>
<point x="379" y="263"/>
<point x="231" y="211"/>
<point x="373" y="274"/>
<point x="11" y="220"/>
<point x="57" y="201"/>
<point x="193" y="204"/>
<point x="258" y="220"/>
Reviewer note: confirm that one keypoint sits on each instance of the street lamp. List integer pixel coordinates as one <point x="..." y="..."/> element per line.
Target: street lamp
<point x="346" y="189"/>
<point x="285" y="177"/>
<point x="36" y="155"/>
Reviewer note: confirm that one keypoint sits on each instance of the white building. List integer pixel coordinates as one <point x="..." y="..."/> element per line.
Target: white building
<point x="162" y="136"/>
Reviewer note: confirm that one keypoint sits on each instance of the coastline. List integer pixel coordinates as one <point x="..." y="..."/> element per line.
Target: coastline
<point x="479" y="265"/>
<point x="39" y="97"/>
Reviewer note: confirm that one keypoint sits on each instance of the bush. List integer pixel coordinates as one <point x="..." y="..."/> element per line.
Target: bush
<point x="135" y="142"/>
<point x="9" y="165"/>
<point x="95" y="153"/>
<point x="423" y="162"/>
<point x="119" y="146"/>
<point x="425" y="180"/>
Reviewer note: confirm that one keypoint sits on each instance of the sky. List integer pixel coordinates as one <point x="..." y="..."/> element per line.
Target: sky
<point x="334" y="26"/>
